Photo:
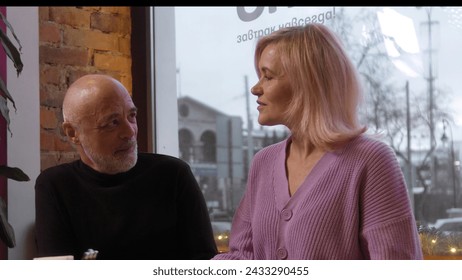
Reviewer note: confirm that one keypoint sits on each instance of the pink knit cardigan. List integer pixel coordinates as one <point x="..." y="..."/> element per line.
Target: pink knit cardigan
<point x="353" y="205"/>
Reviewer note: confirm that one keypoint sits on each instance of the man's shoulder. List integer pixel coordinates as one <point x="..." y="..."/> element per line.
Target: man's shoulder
<point x="161" y="159"/>
<point x="59" y="168"/>
<point x="62" y="170"/>
<point x="156" y="156"/>
<point x="153" y="164"/>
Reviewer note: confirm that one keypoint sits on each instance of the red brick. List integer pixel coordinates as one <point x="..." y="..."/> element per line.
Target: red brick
<point x="65" y="56"/>
<point x="49" y="32"/>
<point x="116" y="10"/>
<point x="50" y="141"/>
<point x="90" y="39"/>
<point x="90" y="8"/>
<point x="50" y="74"/>
<point x="51" y="96"/>
<point x="110" y="23"/>
<point x="48" y="118"/>
<point x="125" y="45"/>
<point x="70" y="16"/>
<point x="112" y="62"/>
<point x="44" y="14"/>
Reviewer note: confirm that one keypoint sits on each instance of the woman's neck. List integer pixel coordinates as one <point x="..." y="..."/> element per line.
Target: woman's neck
<point x="302" y="149"/>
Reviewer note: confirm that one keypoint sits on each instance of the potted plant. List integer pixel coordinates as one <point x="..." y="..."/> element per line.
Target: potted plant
<point x="14" y="173"/>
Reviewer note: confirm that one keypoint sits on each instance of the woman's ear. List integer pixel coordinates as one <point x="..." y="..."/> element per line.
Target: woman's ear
<point x="71" y="133"/>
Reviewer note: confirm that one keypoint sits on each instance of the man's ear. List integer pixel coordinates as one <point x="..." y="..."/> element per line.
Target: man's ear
<point x="71" y="133"/>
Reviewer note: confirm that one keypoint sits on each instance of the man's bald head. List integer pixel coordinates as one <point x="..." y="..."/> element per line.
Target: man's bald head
<point x="86" y="92"/>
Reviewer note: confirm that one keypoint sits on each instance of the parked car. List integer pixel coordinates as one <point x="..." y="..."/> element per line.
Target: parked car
<point x="448" y="225"/>
<point x="221" y="232"/>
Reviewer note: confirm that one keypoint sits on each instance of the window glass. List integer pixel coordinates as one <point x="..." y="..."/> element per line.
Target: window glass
<point x="408" y="58"/>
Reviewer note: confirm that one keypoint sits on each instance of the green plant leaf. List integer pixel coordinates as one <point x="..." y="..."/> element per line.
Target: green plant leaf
<point x="11" y="29"/>
<point x="11" y="51"/>
<point x="15" y="55"/>
<point x="6" y="230"/>
<point x="5" y="111"/>
<point x="13" y="173"/>
<point x="5" y="91"/>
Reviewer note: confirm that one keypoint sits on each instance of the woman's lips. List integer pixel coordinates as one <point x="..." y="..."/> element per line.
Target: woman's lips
<point x="260" y="105"/>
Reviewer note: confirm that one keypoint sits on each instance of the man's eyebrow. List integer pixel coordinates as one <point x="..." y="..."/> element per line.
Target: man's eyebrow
<point x="109" y="117"/>
<point x="115" y="115"/>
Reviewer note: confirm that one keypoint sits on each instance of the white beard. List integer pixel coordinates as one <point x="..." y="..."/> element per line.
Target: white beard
<point x="112" y="164"/>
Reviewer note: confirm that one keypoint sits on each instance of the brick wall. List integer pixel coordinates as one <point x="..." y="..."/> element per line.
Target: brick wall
<point x="75" y="41"/>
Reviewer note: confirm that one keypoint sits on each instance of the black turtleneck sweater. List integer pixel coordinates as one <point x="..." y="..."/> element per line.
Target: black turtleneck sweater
<point x="153" y="211"/>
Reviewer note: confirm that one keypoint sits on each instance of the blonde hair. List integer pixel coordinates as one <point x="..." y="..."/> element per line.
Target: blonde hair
<point x="325" y="84"/>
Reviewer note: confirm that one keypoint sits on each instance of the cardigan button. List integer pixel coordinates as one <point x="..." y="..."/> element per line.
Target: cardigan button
<point x="281" y="253"/>
<point x="286" y="214"/>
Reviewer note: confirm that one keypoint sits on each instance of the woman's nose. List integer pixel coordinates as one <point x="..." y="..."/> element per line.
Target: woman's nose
<point x="255" y="90"/>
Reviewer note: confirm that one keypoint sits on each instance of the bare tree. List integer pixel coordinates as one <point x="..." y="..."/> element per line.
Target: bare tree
<point x="386" y="108"/>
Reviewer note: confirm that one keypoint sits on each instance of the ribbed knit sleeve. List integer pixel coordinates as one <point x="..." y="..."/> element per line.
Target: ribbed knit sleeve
<point x="388" y="226"/>
<point x="241" y="242"/>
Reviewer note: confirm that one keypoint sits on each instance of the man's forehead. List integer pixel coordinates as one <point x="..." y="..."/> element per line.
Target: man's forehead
<point x="115" y="108"/>
<point x="107" y="110"/>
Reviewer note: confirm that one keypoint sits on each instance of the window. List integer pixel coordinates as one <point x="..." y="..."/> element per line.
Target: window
<point x="408" y="58"/>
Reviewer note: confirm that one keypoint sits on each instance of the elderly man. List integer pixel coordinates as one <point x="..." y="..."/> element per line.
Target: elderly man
<point x="114" y="200"/>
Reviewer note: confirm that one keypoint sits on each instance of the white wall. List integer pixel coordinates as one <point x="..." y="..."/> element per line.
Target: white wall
<point x="166" y="110"/>
<point x="24" y="144"/>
